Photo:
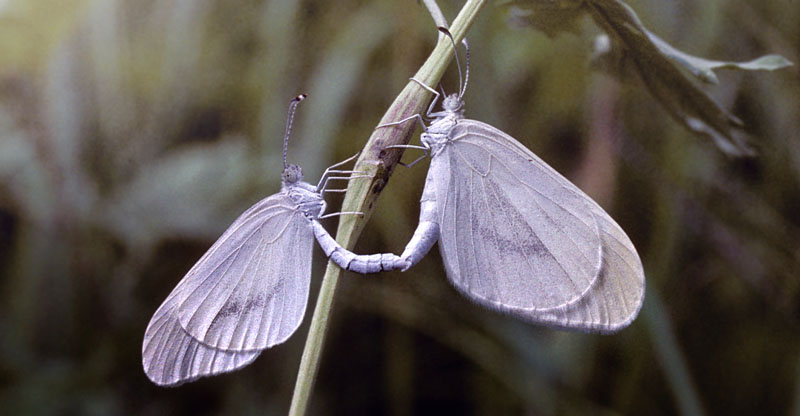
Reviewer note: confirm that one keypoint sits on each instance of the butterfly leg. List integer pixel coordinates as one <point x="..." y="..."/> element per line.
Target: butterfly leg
<point x="358" y="174"/>
<point x="349" y="159"/>
<point x="336" y="214"/>
<point x="417" y="117"/>
<point x="435" y="93"/>
<point x="321" y="190"/>
<point x="425" y="150"/>
<point x="332" y="169"/>
<point x="323" y="181"/>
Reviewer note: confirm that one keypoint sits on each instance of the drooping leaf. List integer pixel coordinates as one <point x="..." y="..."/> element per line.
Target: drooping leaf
<point x="703" y="68"/>
<point x="681" y="97"/>
<point x="660" y="65"/>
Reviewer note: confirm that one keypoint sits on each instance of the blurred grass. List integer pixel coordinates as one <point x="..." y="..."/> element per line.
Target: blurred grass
<point x="132" y="133"/>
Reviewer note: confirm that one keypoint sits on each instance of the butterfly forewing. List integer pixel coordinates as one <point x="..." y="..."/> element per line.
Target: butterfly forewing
<point x="514" y="233"/>
<point x="250" y="290"/>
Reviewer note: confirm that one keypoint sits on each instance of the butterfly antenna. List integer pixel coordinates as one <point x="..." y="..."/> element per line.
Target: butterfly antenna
<point x="455" y="52"/>
<point x="292" y="107"/>
<point x="466" y="72"/>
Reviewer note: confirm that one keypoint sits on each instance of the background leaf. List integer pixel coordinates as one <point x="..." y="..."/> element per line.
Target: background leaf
<point x="703" y="68"/>
<point x="655" y="61"/>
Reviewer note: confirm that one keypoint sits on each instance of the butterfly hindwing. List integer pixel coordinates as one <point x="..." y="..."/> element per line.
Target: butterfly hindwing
<point x="170" y="356"/>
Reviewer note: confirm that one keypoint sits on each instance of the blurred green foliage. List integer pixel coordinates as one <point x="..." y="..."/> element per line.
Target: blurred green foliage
<point x="133" y="132"/>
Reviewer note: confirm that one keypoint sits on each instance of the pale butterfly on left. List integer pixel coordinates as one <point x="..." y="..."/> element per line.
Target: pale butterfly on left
<point x="249" y="290"/>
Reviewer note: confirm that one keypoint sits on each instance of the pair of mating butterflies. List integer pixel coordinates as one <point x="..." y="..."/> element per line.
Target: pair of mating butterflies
<point x="514" y="234"/>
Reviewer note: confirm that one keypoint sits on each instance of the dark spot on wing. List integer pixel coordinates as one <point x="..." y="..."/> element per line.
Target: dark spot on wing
<point x="260" y="300"/>
<point x="528" y="247"/>
<point x="506" y="217"/>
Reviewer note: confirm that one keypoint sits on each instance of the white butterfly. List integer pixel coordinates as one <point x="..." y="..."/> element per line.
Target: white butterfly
<point x="249" y="290"/>
<point x="514" y="234"/>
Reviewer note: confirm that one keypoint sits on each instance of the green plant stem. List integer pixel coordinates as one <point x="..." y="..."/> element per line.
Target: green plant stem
<point x="362" y="193"/>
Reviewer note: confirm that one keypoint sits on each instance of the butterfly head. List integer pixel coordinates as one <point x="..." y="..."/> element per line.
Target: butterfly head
<point x="292" y="175"/>
<point x="453" y="104"/>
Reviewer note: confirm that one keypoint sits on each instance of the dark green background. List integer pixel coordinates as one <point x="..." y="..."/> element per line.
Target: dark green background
<point x="133" y="132"/>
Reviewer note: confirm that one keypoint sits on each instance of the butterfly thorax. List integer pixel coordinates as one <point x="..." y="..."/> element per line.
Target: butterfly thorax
<point x="303" y="194"/>
<point x="438" y="133"/>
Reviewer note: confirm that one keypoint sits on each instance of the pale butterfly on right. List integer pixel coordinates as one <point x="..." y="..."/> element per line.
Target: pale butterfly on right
<point x="514" y="234"/>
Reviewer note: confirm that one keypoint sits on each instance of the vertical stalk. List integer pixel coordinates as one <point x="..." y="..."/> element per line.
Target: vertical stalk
<point x="363" y="193"/>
